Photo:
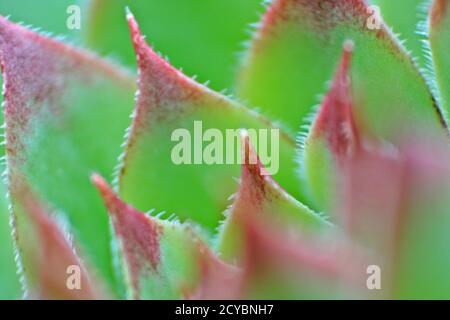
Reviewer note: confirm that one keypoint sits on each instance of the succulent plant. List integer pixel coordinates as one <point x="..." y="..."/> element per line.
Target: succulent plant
<point x="356" y="206"/>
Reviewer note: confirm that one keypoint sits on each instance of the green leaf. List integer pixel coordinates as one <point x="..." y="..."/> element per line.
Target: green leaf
<point x="47" y="258"/>
<point x="402" y="217"/>
<point x="405" y="18"/>
<point x="261" y="195"/>
<point x="281" y="264"/>
<point x="163" y="259"/>
<point x="440" y="46"/>
<point x="332" y="139"/>
<point x="201" y="36"/>
<point x="296" y="50"/>
<point x="173" y="114"/>
<point x="66" y="112"/>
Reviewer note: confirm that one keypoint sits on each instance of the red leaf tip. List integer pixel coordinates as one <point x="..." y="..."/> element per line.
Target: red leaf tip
<point x="335" y="121"/>
<point x="139" y="234"/>
<point x="160" y="84"/>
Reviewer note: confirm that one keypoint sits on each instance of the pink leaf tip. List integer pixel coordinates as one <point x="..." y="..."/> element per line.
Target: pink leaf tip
<point x="138" y="233"/>
<point x="335" y="120"/>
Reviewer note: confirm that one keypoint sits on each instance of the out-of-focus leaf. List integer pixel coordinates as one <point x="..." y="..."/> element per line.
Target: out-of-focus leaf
<point x="402" y="216"/>
<point x="201" y="36"/>
<point x="50" y="15"/>
<point x="66" y="112"/>
<point x="279" y="264"/>
<point x="261" y="195"/>
<point x="163" y="260"/>
<point x="405" y="17"/>
<point x="50" y="265"/>
<point x="297" y="48"/>
<point x="333" y="137"/>
<point x="440" y="46"/>
<point x="173" y="111"/>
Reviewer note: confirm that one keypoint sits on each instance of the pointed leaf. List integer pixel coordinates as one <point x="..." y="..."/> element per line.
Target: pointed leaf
<point x="333" y="137"/>
<point x="440" y="45"/>
<point x="261" y="195"/>
<point x="162" y="259"/>
<point x="177" y="122"/>
<point x="66" y="112"/>
<point x="296" y="50"/>
<point x="192" y="33"/>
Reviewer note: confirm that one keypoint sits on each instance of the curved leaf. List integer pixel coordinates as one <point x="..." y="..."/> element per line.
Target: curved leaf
<point x="165" y="166"/>
<point x="163" y="259"/>
<point x="279" y="264"/>
<point x="66" y="112"/>
<point x="296" y="50"/>
<point x="333" y="137"/>
<point x="261" y="195"/>
<point x="50" y="265"/>
<point x="403" y="216"/>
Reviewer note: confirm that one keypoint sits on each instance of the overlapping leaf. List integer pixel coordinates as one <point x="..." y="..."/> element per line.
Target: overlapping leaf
<point x="172" y="109"/>
<point x="296" y="50"/>
<point x="333" y="137"/>
<point x="66" y="112"/>
<point x="261" y="195"/>
<point x="162" y="259"/>
<point x="50" y="265"/>
<point x="402" y="217"/>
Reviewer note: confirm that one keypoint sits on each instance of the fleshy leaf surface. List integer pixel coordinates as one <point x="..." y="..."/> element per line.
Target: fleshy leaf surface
<point x="439" y="34"/>
<point x="279" y="264"/>
<point x="182" y="151"/>
<point x="49" y="262"/>
<point x="296" y="50"/>
<point x="66" y="112"/>
<point x="261" y="195"/>
<point x="333" y="137"/>
<point x="402" y="217"/>
<point x="203" y="37"/>
<point x="162" y="259"/>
